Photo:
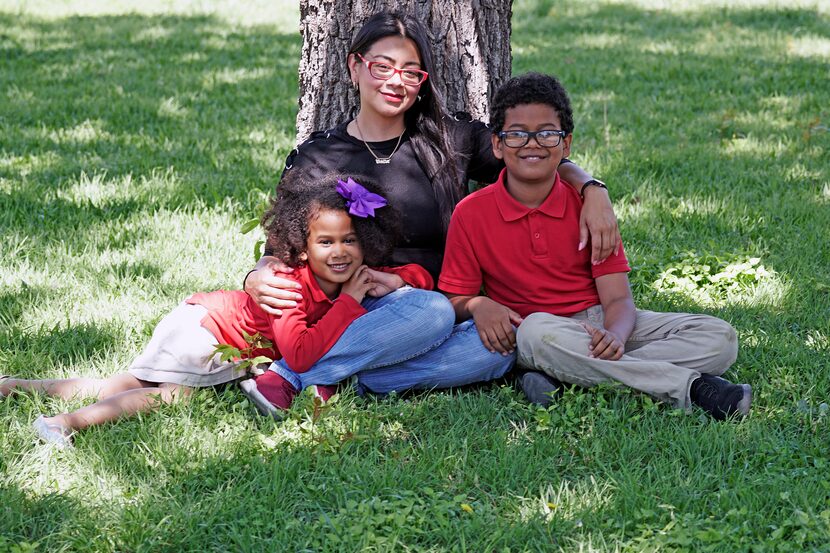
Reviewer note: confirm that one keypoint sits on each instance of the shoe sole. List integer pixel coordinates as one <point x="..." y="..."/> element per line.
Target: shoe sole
<point x="746" y="402"/>
<point x="263" y="406"/>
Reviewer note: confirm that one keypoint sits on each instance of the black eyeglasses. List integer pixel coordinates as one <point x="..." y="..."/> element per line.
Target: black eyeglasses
<point x="546" y="138"/>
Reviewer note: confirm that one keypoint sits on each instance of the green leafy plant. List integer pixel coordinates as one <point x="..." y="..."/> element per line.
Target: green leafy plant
<point x="710" y="279"/>
<point x="252" y="224"/>
<point x="255" y="342"/>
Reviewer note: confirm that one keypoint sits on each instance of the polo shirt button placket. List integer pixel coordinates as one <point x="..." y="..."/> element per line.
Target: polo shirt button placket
<point x="539" y="244"/>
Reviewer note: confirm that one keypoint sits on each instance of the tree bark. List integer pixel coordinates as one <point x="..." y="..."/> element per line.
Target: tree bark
<point x="470" y="46"/>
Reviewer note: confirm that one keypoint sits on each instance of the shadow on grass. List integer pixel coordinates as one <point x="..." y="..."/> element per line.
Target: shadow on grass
<point x="57" y="346"/>
<point x="49" y="521"/>
<point x="127" y="94"/>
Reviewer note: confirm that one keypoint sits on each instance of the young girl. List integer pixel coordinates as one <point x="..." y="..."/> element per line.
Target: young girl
<point x="326" y="233"/>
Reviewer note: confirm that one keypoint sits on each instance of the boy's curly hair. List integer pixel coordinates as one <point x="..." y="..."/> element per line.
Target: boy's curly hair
<point x="299" y="200"/>
<point x="531" y="88"/>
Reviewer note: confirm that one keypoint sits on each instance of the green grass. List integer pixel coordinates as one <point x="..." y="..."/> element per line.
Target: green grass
<point x="134" y="142"/>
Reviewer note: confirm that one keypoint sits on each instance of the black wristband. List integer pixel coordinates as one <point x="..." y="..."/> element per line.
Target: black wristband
<point x="244" y="280"/>
<point x="592" y="182"/>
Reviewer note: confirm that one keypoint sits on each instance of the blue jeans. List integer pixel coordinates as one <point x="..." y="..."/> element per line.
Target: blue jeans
<point x="406" y="340"/>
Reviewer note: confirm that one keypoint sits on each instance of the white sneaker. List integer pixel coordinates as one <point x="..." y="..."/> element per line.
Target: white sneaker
<point x="262" y="405"/>
<point x="53" y="434"/>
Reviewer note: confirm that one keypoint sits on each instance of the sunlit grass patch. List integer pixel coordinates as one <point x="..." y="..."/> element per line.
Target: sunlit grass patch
<point x="283" y="15"/>
<point x="569" y="501"/>
<point x="709" y="280"/>
<point x="810" y="47"/>
<point x="233" y="76"/>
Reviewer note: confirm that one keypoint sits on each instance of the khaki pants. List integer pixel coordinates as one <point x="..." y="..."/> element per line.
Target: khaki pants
<point x="664" y="355"/>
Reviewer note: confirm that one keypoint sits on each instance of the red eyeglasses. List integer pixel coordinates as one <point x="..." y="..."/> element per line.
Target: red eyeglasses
<point x="384" y="71"/>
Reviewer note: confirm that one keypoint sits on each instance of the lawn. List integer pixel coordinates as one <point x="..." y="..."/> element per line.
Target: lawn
<point x="135" y="144"/>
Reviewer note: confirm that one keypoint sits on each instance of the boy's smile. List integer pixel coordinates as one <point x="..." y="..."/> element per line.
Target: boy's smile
<point x="531" y="165"/>
<point x="332" y="251"/>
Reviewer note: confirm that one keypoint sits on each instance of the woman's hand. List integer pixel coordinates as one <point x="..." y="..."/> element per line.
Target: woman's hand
<point x="270" y="292"/>
<point x="598" y="220"/>
<point x="384" y="283"/>
<point x="360" y="283"/>
<point x="495" y="324"/>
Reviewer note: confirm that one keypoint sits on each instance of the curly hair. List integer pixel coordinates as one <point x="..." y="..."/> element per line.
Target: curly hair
<point x="300" y="199"/>
<point x="531" y="88"/>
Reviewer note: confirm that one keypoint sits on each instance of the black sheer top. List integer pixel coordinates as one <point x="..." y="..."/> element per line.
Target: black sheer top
<point x="404" y="180"/>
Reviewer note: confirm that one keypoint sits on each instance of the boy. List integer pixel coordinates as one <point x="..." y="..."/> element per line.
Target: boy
<point x="576" y="321"/>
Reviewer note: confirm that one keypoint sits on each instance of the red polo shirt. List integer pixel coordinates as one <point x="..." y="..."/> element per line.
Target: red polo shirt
<point x="302" y="335"/>
<point x="525" y="258"/>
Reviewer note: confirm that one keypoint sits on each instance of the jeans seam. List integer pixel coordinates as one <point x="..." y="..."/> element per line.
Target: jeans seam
<point x="288" y="375"/>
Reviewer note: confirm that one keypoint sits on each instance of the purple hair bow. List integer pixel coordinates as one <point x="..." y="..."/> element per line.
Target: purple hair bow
<point x="359" y="201"/>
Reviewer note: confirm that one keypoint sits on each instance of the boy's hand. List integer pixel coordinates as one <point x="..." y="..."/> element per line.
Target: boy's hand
<point x="604" y="344"/>
<point x="384" y="283"/>
<point x="495" y="324"/>
<point x="360" y="283"/>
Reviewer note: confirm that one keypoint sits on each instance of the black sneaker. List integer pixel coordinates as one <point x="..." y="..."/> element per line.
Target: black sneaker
<point x="540" y="388"/>
<point x="720" y="398"/>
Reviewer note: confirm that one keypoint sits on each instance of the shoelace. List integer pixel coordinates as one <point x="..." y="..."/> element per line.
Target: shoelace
<point x="706" y="389"/>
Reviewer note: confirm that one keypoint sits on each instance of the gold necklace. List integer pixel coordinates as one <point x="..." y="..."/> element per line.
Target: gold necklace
<point x="379" y="160"/>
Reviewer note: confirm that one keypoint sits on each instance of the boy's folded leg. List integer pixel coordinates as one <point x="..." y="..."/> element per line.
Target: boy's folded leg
<point x="558" y="346"/>
<point x="270" y="393"/>
<point x="720" y="398"/>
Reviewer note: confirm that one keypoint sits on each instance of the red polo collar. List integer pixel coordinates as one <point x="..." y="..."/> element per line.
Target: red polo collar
<point x="511" y="210"/>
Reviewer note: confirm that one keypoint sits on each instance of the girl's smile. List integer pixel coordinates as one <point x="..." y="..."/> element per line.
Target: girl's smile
<point x="332" y="251"/>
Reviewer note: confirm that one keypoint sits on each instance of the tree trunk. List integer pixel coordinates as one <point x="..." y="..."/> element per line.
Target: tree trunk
<point x="470" y="46"/>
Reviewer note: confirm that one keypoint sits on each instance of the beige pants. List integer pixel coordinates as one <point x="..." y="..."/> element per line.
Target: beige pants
<point x="665" y="353"/>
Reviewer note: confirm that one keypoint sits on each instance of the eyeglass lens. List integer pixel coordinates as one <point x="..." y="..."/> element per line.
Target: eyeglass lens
<point x="517" y="139"/>
<point x="383" y="71"/>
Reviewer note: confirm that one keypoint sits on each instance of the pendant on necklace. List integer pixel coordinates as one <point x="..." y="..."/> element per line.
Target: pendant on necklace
<point x="383" y="160"/>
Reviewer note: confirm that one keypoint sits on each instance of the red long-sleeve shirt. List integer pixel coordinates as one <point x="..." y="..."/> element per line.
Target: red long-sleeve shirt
<point x="302" y="335"/>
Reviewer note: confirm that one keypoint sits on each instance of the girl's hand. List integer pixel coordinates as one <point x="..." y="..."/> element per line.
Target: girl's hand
<point x="495" y="324"/>
<point x="597" y="219"/>
<point x="272" y="293"/>
<point x="604" y="344"/>
<point x="384" y="283"/>
<point x="360" y="283"/>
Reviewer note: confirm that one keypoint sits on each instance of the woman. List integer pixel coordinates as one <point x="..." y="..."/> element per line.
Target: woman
<point x="401" y="138"/>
